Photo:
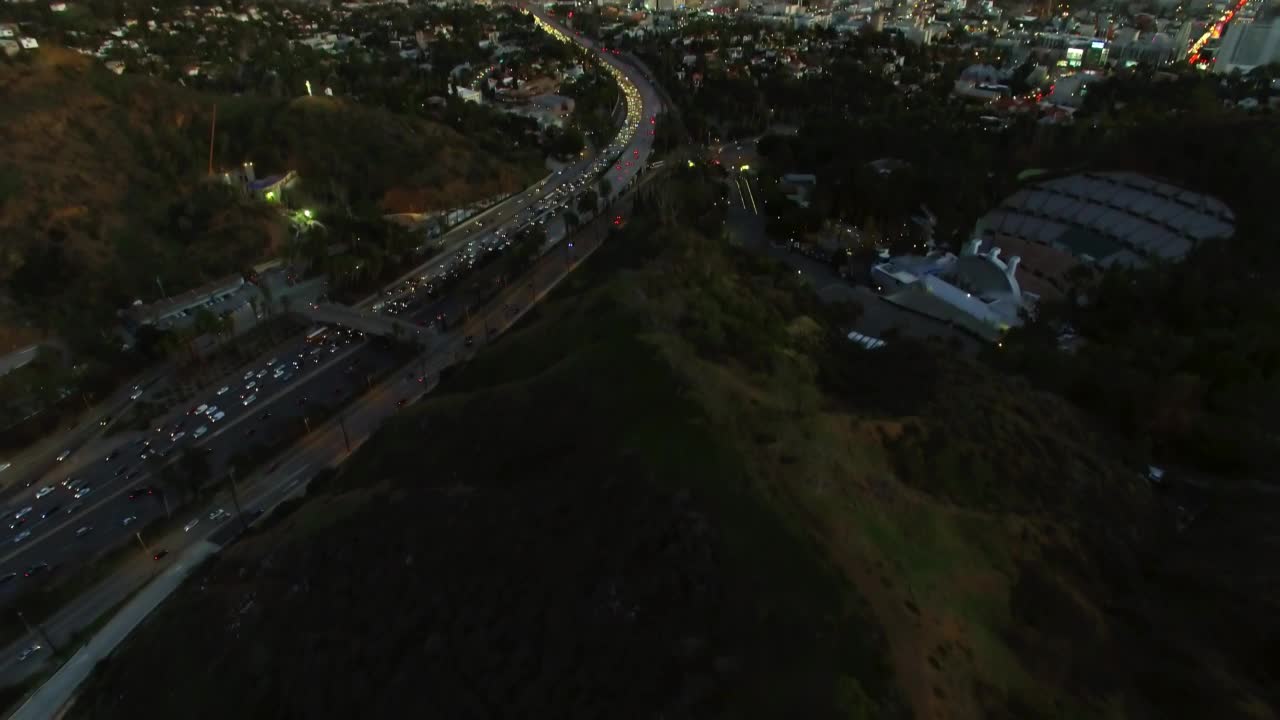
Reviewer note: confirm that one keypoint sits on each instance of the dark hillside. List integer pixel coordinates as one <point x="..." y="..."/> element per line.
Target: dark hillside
<point x="104" y="188"/>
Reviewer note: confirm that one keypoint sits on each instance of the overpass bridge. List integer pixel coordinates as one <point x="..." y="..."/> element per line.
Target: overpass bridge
<point x="368" y="322"/>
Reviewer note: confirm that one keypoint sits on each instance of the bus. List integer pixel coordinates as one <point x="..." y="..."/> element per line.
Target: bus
<point x="316" y="336"/>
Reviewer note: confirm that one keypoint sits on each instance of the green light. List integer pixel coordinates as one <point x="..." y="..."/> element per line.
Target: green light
<point x="690" y="163"/>
<point x="306" y="214"/>
<point x="271" y="195"/>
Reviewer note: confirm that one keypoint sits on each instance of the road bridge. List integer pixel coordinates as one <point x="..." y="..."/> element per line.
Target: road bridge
<point x="368" y="322"/>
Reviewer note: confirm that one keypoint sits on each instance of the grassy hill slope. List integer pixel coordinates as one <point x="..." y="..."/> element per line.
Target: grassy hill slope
<point x="103" y="189"/>
<point x="673" y="493"/>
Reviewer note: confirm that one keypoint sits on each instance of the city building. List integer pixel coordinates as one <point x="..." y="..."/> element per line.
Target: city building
<point x="1248" y="45"/>
<point x="1098" y="220"/>
<point x="218" y="297"/>
<point x="981" y="82"/>
<point x="798" y="187"/>
<point x="1069" y="90"/>
<point x="977" y="292"/>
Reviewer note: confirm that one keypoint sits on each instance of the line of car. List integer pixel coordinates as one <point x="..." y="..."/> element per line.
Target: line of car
<point x="79" y="487"/>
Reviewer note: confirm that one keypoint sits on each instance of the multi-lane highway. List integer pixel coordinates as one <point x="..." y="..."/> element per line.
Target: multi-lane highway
<point x="260" y="400"/>
<point x="544" y="204"/>
<point x="97" y="501"/>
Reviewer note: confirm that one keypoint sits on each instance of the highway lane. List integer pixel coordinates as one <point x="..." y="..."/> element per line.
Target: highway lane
<point x="330" y="377"/>
<point x="31" y="465"/>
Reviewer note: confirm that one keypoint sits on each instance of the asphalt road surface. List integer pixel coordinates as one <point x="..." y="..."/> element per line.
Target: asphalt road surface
<point x="63" y="530"/>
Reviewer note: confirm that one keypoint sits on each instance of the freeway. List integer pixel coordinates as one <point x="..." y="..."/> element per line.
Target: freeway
<point x="30" y="465"/>
<point x="545" y="203"/>
<point x="87" y="511"/>
<point x="342" y="368"/>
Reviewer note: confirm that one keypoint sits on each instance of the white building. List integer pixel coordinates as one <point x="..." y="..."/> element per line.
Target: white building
<point x="1248" y="45"/>
<point x="977" y="292"/>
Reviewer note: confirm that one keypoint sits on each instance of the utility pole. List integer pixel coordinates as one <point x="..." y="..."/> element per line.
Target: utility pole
<point x="37" y="631"/>
<point x="235" y="498"/>
<point x="342" y="423"/>
<point x="212" y="127"/>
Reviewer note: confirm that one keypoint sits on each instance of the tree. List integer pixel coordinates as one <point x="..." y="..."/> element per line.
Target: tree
<point x="606" y="189"/>
<point x="205" y="323"/>
<point x="588" y="202"/>
<point x="227" y="325"/>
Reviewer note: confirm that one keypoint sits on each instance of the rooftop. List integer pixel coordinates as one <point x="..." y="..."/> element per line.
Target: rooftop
<point x="1112" y="218"/>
